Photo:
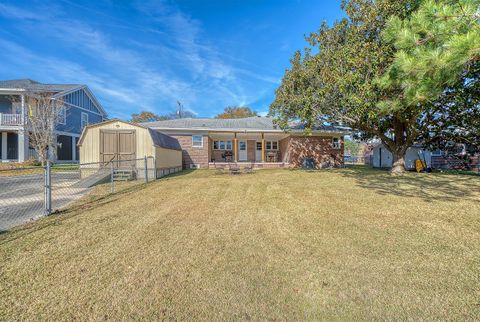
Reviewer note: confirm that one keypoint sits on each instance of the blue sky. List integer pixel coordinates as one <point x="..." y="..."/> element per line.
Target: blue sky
<point x="146" y="55"/>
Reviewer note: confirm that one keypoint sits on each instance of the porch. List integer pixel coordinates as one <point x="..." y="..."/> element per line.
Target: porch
<point x="242" y="165"/>
<point x="15" y="147"/>
<point x="260" y="149"/>
<point x="10" y="119"/>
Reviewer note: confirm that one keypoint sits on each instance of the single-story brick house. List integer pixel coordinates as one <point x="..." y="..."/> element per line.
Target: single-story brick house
<point x="208" y="143"/>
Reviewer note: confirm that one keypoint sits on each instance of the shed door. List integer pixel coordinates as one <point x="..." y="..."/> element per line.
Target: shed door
<point x="117" y="145"/>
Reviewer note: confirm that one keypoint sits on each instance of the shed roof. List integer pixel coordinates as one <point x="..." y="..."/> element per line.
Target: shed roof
<point x="164" y="141"/>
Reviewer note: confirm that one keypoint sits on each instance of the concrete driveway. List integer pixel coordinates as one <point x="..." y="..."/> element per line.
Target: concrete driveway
<point x="22" y="197"/>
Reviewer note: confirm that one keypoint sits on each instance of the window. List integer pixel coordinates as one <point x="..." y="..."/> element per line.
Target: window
<point x="84" y="120"/>
<point x="271" y="145"/>
<point x="336" y="143"/>
<point x="259" y="146"/>
<point x="62" y="115"/>
<point x="222" y="145"/>
<point x="243" y="145"/>
<point x="197" y="141"/>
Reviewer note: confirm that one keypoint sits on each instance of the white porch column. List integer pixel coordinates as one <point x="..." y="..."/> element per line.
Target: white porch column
<point x="22" y="136"/>
<point x="23" y="143"/>
<point x="4" y="146"/>
<point x="23" y="110"/>
<point x="74" y="149"/>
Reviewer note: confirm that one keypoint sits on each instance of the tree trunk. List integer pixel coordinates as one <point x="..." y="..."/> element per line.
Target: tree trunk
<point x="398" y="166"/>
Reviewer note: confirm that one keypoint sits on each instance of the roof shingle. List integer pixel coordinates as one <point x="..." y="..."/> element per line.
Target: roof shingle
<point x="29" y="84"/>
<point x="164" y="141"/>
<point x="249" y="123"/>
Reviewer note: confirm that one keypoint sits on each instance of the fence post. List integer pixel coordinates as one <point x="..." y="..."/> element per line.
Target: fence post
<point x="146" y="169"/>
<point x="112" y="182"/>
<point x="48" y="189"/>
<point x="154" y="168"/>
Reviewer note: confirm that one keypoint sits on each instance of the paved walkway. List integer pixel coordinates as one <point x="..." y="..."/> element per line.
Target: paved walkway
<point x="22" y="197"/>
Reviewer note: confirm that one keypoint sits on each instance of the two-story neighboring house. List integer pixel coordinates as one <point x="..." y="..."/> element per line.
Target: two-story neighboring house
<point x="81" y="108"/>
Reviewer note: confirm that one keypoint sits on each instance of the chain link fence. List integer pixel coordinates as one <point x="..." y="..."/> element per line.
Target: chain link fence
<point x="29" y="193"/>
<point x="356" y="160"/>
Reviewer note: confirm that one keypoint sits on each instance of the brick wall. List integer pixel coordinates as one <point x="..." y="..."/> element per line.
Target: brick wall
<point x="296" y="148"/>
<point x="191" y="155"/>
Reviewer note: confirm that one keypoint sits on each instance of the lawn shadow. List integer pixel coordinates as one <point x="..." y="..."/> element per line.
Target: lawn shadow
<point x="427" y="186"/>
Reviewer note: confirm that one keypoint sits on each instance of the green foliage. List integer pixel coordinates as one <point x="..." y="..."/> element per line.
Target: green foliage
<point x="374" y="69"/>
<point x="352" y="148"/>
<point x="236" y="112"/>
<point x="146" y="116"/>
<point x="454" y="118"/>
<point x="433" y="46"/>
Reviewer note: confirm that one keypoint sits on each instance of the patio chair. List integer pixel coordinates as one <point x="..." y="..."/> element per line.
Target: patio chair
<point x="249" y="168"/>
<point x="234" y="168"/>
<point x="218" y="169"/>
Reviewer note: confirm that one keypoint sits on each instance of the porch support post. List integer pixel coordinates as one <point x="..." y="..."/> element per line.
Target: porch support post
<point x="4" y="146"/>
<point x="235" y="147"/>
<point x="23" y="144"/>
<point x="74" y="149"/>
<point x="22" y="136"/>
<point x="263" y="147"/>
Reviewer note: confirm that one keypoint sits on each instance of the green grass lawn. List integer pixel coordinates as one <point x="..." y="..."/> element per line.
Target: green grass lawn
<point x="274" y="245"/>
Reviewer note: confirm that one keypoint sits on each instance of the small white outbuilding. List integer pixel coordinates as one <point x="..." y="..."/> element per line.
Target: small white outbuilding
<point x="382" y="158"/>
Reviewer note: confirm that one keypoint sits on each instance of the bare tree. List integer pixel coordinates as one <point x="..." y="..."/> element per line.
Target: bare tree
<point x="43" y="113"/>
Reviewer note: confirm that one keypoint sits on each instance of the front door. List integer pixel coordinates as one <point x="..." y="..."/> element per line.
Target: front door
<point x="242" y="150"/>
<point x="258" y="151"/>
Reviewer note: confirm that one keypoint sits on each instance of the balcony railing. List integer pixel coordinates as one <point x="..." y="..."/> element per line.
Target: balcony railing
<point x="10" y="119"/>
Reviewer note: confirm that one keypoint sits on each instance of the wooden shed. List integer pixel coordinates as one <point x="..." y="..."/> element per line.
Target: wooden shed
<point x="125" y="145"/>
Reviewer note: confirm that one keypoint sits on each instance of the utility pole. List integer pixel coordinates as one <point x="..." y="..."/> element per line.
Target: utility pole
<point x="179" y="110"/>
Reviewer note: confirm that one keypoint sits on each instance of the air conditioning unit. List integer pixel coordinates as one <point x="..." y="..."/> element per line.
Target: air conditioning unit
<point x="194" y="166"/>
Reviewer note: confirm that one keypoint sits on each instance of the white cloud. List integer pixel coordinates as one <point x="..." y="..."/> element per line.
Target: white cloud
<point x="129" y="74"/>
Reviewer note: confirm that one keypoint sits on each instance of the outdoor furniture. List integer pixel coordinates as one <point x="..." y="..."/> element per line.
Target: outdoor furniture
<point x="249" y="168"/>
<point x="271" y="157"/>
<point x="234" y="168"/>
<point x="227" y="156"/>
<point x="218" y="169"/>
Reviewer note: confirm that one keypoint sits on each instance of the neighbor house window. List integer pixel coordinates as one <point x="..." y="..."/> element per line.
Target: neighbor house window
<point x="197" y="141"/>
<point x="222" y="145"/>
<point x="272" y="145"/>
<point x="84" y="120"/>
<point x="336" y="143"/>
<point x="62" y="115"/>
